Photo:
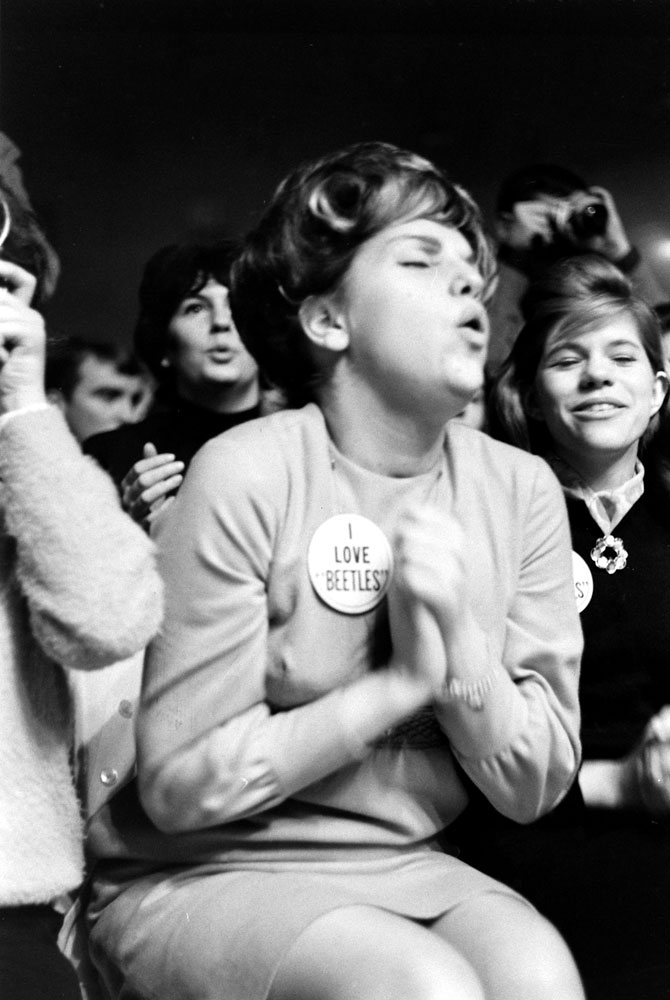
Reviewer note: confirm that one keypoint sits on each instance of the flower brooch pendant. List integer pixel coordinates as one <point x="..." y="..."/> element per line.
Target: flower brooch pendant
<point x="616" y="557"/>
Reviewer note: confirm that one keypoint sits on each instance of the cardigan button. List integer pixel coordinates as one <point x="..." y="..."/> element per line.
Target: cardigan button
<point x="109" y="776"/>
<point x="126" y="709"/>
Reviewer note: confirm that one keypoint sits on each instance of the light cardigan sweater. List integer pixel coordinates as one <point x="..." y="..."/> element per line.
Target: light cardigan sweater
<point x="78" y="589"/>
<point x="243" y="688"/>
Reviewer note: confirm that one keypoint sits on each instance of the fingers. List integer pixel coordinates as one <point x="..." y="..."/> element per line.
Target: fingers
<point x="428" y="543"/>
<point x="418" y="646"/>
<point x="13" y="308"/>
<point x="430" y="561"/>
<point x="161" y="508"/>
<point x="17" y="281"/>
<point x="160" y="489"/>
<point x="603" y="194"/>
<point x="535" y="217"/>
<point x="149" y="482"/>
<point x="655" y="779"/>
<point x="20" y="326"/>
<point x="426" y="533"/>
<point x="151" y="468"/>
<point x="658" y="728"/>
<point x="154" y="468"/>
<point x="22" y="351"/>
<point x="655" y="766"/>
<point x="147" y="503"/>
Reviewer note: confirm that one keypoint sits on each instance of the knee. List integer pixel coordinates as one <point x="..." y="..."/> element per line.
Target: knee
<point x="446" y="978"/>
<point x="546" y="969"/>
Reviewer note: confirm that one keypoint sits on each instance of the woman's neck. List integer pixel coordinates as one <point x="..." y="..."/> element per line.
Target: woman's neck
<point x="606" y="473"/>
<point x="387" y="443"/>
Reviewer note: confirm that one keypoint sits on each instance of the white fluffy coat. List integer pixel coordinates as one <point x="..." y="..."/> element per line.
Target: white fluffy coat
<point x="78" y="590"/>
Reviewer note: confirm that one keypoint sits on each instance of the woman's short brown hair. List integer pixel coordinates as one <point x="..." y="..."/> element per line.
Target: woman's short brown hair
<point x="303" y="245"/>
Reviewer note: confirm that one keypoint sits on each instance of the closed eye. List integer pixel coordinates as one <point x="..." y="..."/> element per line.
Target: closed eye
<point x="567" y="361"/>
<point x="108" y="395"/>
<point x="414" y="263"/>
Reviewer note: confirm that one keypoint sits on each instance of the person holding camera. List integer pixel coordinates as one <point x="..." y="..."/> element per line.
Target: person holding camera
<point x="546" y="213"/>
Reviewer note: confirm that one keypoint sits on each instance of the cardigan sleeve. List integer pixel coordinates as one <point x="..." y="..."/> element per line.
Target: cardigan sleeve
<point x="210" y="750"/>
<point x="522" y="749"/>
<point x="86" y="571"/>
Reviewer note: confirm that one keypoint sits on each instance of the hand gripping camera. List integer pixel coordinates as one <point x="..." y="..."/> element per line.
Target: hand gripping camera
<point x="581" y="223"/>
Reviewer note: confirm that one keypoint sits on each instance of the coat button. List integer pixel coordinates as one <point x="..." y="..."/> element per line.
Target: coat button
<point x="109" y="776"/>
<point x="126" y="709"/>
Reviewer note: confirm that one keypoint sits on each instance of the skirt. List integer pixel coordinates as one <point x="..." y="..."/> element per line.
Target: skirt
<point x="206" y="932"/>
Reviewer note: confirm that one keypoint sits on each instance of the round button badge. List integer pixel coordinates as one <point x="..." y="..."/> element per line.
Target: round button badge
<point x="583" y="579"/>
<point x="350" y="563"/>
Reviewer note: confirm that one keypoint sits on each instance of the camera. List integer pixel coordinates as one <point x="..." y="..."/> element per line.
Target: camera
<point x="591" y="220"/>
<point x="582" y="223"/>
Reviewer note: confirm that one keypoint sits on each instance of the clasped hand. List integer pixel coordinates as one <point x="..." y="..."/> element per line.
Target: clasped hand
<point x="648" y="765"/>
<point x="428" y="595"/>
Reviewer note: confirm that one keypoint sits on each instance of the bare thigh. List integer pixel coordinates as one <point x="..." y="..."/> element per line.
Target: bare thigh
<point x="364" y="953"/>
<point x="517" y="954"/>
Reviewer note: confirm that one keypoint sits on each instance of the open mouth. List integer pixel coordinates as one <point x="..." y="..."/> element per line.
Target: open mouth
<point x="600" y="406"/>
<point x="474" y="324"/>
<point x="473" y="317"/>
<point x="476" y="331"/>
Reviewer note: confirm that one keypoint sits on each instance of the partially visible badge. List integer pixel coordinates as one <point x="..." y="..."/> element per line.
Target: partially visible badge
<point x="583" y="579"/>
<point x="350" y="563"/>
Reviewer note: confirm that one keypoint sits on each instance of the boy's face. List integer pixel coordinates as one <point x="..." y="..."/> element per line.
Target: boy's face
<point x="104" y="399"/>
<point x="205" y="347"/>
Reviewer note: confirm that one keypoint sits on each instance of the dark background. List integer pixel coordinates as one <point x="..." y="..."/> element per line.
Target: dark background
<point x="147" y="121"/>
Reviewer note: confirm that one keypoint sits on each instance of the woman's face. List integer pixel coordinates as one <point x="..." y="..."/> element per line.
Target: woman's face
<point x="417" y="330"/>
<point x="596" y="392"/>
<point x="205" y="349"/>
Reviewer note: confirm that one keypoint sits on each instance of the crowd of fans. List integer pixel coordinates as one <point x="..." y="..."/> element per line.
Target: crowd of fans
<point x="386" y="710"/>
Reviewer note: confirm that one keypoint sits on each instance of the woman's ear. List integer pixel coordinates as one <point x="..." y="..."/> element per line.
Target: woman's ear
<point x="323" y="323"/>
<point x="658" y="392"/>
